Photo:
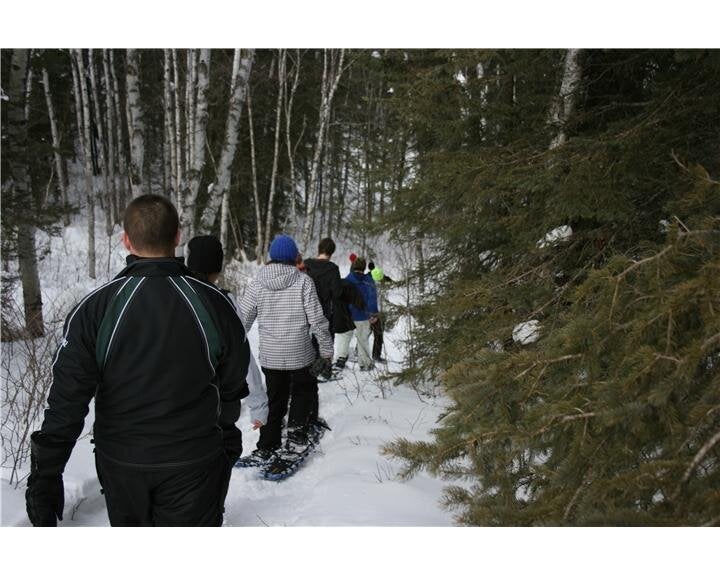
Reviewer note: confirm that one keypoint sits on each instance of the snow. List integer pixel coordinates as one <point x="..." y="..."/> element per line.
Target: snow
<point x="526" y="332"/>
<point x="555" y="236"/>
<point x="347" y="482"/>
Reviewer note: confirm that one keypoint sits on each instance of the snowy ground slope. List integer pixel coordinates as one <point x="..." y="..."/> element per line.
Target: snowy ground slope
<point x="346" y="483"/>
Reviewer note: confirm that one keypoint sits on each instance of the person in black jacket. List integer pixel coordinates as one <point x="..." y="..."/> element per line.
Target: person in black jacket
<point x="326" y="276"/>
<point x="165" y="357"/>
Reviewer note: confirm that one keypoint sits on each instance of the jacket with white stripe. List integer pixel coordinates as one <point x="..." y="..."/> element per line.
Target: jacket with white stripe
<point x="285" y="303"/>
<point x="165" y="357"/>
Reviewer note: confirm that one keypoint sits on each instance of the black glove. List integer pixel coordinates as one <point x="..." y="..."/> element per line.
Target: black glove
<point x="45" y="494"/>
<point x="321" y="367"/>
<point x="45" y="499"/>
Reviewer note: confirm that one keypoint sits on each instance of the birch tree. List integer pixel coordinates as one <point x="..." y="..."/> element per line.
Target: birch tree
<point x="253" y="165"/>
<point x="179" y="151"/>
<point x="330" y="80"/>
<point x="110" y="138"/>
<point x="136" y="122"/>
<point x="82" y="106"/>
<point x="564" y="104"/>
<point x="282" y="59"/>
<point x="242" y="67"/>
<point x="59" y="164"/>
<point x="121" y="150"/>
<point x="288" y="106"/>
<point x="169" y="147"/>
<point x="196" y="161"/>
<point x="101" y="137"/>
<point x="16" y="184"/>
<point x="190" y="92"/>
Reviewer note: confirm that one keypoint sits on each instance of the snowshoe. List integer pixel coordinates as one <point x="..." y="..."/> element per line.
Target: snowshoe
<point x="257" y="458"/>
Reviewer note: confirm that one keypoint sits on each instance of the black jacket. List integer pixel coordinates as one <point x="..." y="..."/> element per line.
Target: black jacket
<point x="326" y="276"/>
<point x="165" y="356"/>
<point x="349" y="294"/>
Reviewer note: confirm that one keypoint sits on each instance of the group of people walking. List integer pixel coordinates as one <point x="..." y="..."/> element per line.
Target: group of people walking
<point x="164" y="354"/>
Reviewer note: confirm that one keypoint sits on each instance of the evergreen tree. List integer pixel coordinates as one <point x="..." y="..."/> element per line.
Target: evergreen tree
<point x="607" y="411"/>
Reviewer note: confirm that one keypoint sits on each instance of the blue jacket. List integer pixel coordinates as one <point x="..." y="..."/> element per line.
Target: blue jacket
<point x="366" y="286"/>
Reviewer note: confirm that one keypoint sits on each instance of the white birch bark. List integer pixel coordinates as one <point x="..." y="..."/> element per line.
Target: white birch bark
<point x="564" y="104"/>
<point x="329" y="86"/>
<point x="290" y="152"/>
<point x="121" y="152"/>
<point x="190" y="92"/>
<point x="179" y="152"/>
<point x="282" y="60"/>
<point x="197" y="160"/>
<point x="259" y="255"/>
<point x="81" y="100"/>
<point x="169" y="132"/>
<point x="136" y="124"/>
<point x="224" y="220"/>
<point x="110" y="135"/>
<point x="101" y="136"/>
<point x="59" y="165"/>
<point x="239" y="83"/>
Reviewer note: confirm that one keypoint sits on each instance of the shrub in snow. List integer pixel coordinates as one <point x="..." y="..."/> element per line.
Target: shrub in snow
<point x="526" y="332"/>
<point x="555" y="236"/>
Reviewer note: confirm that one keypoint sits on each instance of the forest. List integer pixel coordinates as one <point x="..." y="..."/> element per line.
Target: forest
<point x="559" y="210"/>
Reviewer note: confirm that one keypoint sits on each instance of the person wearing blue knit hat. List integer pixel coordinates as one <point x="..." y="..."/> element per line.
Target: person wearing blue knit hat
<point x="285" y="304"/>
<point x="283" y="249"/>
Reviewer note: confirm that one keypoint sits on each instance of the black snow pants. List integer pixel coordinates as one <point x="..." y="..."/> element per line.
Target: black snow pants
<point x="377" y="332"/>
<point x="190" y="495"/>
<point x="299" y="387"/>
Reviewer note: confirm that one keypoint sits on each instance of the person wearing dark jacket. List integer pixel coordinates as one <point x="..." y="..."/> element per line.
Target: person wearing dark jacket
<point x="362" y="317"/>
<point x="326" y="276"/>
<point x="205" y="258"/>
<point x="166" y="362"/>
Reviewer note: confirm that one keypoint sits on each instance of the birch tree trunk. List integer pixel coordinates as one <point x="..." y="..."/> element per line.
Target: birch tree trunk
<point x="329" y="86"/>
<point x="110" y="135"/>
<point x="136" y="122"/>
<point x="81" y="100"/>
<point x="290" y="151"/>
<point x="121" y="150"/>
<point x="197" y="159"/>
<point x="259" y="254"/>
<point x="169" y="132"/>
<point x="59" y="165"/>
<point x="282" y="59"/>
<point x="101" y="137"/>
<point x="239" y="83"/>
<point x="15" y="149"/>
<point x="179" y="151"/>
<point x="564" y="104"/>
<point x="190" y="91"/>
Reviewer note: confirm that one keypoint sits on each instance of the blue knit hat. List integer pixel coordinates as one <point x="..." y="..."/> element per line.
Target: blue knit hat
<point x="283" y="249"/>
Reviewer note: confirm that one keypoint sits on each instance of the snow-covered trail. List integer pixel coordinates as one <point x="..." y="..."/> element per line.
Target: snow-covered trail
<point x="347" y="482"/>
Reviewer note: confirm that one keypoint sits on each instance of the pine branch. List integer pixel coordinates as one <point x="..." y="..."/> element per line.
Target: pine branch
<point x="548" y="362"/>
<point x="695" y="461"/>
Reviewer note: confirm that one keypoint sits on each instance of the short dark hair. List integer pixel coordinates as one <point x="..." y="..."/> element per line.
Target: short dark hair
<point x="152" y="223"/>
<point x="359" y="264"/>
<point x="326" y="246"/>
